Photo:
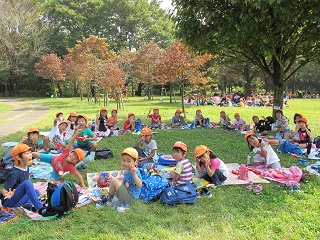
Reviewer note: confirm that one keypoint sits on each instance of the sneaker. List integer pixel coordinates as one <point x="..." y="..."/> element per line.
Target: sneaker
<point x="123" y="207"/>
<point x="205" y="192"/>
<point x="296" y="187"/>
<point x="257" y="189"/>
<point x="249" y="186"/>
<point x="211" y="185"/>
<point x="105" y="201"/>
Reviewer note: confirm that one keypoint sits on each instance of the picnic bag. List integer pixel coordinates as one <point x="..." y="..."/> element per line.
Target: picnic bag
<point x="287" y="147"/>
<point x="6" y="163"/>
<point x="103" y="153"/>
<point x="243" y="172"/>
<point x="167" y="160"/>
<point x="183" y="193"/>
<point x="152" y="187"/>
<point x="61" y="199"/>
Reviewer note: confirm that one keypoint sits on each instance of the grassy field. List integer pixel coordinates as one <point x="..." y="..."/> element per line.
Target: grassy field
<point x="232" y="212"/>
<point x="4" y="107"/>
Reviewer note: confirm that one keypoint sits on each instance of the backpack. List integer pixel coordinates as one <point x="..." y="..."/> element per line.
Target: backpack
<point x="152" y="187"/>
<point x="166" y="160"/>
<point x="103" y="180"/>
<point x="287" y="147"/>
<point x="103" y="153"/>
<point x="61" y="199"/>
<point x="316" y="141"/>
<point x="6" y="164"/>
<point x="137" y="125"/>
<point x="183" y="193"/>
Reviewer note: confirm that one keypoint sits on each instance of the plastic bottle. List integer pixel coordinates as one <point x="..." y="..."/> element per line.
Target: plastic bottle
<point x="249" y="161"/>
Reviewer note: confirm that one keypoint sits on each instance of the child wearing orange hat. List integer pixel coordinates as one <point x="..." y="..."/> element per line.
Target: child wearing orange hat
<point x="129" y="125"/>
<point x="210" y="168"/>
<point x="66" y="161"/>
<point x="155" y="118"/>
<point x="304" y="134"/>
<point x="183" y="172"/>
<point x="128" y="190"/>
<point x="148" y="152"/>
<point x="199" y="119"/>
<point x="87" y="139"/>
<point x="225" y="121"/>
<point x="31" y="139"/>
<point x="18" y="190"/>
<point x="58" y="119"/>
<point x="178" y="120"/>
<point x="101" y="120"/>
<point x="56" y="136"/>
<point x="71" y="126"/>
<point x="265" y="155"/>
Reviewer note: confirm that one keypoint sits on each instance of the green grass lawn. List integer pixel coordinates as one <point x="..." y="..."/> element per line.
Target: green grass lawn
<point x="4" y="107"/>
<point x="232" y="212"/>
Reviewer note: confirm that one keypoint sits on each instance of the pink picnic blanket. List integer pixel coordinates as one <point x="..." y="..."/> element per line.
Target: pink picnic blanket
<point x="84" y="198"/>
<point x="282" y="175"/>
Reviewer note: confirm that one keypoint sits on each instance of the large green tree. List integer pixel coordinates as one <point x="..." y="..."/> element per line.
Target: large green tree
<point x="279" y="36"/>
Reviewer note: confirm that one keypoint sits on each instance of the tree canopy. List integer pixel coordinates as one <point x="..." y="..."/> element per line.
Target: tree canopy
<point x="278" y="36"/>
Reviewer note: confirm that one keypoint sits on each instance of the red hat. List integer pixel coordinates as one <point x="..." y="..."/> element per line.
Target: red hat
<point x="181" y="145"/>
<point x="16" y="150"/>
<point x="80" y="153"/>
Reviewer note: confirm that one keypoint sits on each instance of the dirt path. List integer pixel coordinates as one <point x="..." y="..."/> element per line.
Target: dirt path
<point x="23" y="114"/>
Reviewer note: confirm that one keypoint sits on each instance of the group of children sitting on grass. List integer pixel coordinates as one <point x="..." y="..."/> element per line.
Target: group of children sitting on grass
<point x="18" y="190"/>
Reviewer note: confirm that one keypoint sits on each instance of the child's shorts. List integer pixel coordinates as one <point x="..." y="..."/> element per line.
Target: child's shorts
<point x="124" y="196"/>
<point x="48" y="159"/>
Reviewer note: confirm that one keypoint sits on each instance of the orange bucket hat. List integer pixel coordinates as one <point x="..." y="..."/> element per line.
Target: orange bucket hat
<point x="146" y="131"/>
<point x="103" y="109"/>
<point x="131" y="152"/>
<point x="82" y="116"/>
<point x="248" y="135"/>
<point x="130" y="114"/>
<point x="181" y="145"/>
<point x="80" y="153"/>
<point x="58" y="113"/>
<point x="236" y="115"/>
<point x="32" y="130"/>
<point x="16" y="150"/>
<point x="178" y="111"/>
<point x="303" y="120"/>
<point x="200" y="150"/>
<point x="63" y="122"/>
<point x="73" y="114"/>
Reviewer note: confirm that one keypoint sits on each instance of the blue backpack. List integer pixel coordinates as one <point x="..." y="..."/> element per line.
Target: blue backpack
<point x="287" y="147"/>
<point x="138" y="125"/>
<point x="183" y="193"/>
<point x="152" y="187"/>
<point x="61" y="199"/>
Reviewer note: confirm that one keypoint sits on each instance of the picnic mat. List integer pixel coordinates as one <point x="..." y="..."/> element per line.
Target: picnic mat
<point x="40" y="170"/>
<point x="84" y="198"/>
<point x="233" y="179"/>
<point x="314" y="168"/>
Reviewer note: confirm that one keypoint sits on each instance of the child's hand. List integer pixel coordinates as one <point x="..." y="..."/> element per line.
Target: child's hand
<point x="23" y="138"/>
<point x="133" y="169"/>
<point x="9" y="194"/>
<point x="207" y="163"/>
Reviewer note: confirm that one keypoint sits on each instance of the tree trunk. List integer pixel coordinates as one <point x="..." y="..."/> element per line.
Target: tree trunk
<point x="170" y="90"/>
<point x="182" y="97"/>
<point x="247" y="80"/>
<point x="132" y="91"/>
<point x="59" y="89"/>
<point x="139" y="90"/>
<point x="149" y="91"/>
<point x="75" y="88"/>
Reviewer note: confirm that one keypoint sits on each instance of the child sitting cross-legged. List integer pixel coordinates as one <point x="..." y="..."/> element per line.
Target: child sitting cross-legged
<point x="128" y="190"/>
<point x="88" y="139"/>
<point x="31" y="139"/>
<point x="148" y="152"/>
<point x="210" y="168"/>
<point x="66" y="161"/>
<point x="183" y="172"/>
<point x="18" y="190"/>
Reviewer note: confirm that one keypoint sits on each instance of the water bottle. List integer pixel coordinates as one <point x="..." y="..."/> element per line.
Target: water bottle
<point x="249" y="161"/>
<point x="59" y="148"/>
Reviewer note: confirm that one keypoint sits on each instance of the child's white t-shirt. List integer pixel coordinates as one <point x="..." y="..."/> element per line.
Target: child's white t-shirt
<point x="271" y="157"/>
<point x="55" y="136"/>
<point x="147" y="148"/>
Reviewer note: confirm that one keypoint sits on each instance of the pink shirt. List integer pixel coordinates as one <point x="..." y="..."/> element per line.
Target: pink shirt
<point x="58" y="164"/>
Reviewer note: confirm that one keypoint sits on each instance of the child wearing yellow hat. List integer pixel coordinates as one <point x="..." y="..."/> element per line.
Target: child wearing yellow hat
<point x="66" y="161"/>
<point x="18" y="190"/>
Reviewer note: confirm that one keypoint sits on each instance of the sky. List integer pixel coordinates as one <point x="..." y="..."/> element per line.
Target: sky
<point x="165" y="4"/>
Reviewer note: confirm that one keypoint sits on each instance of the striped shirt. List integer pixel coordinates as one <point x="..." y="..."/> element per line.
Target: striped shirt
<point x="184" y="169"/>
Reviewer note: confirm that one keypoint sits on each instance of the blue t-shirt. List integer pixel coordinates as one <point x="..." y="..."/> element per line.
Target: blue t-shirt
<point x="130" y="184"/>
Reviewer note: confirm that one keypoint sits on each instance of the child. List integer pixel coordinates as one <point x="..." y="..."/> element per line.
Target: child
<point x="58" y="119"/>
<point x="304" y="134"/>
<point x="239" y="123"/>
<point x="225" y="121"/>
<point x="101" y="121"/>
<point x="259" y="125"/>
<point x="199" y="120"/>
<point x="183" y="172"/>
<point x="178" y="120"/>
<point x="86" y="139"/>
<point x="71" y="127"/>
<point x="55" y="136"/>
<point x="129" y="125"/>
<point x="296" y="118"/>
<point x="149" y="147"/>
<point x="31" y="139"/>
<point x="113" y="120"/>
<point x="210" y="168"/>
<point x="283" y="124"/>
<point x="66" y="161"/>
<point x="265" y="155"/>
<point x="18" y="190"/>
<point x="129" y="189"/>
<point x="155" y="118"/>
